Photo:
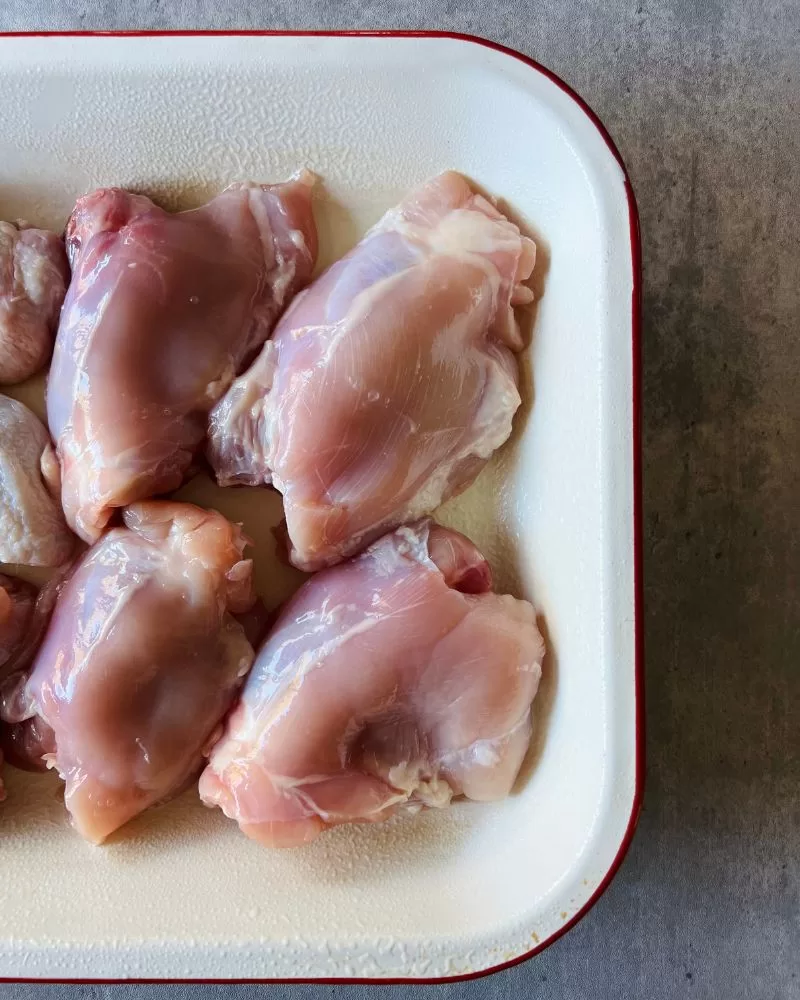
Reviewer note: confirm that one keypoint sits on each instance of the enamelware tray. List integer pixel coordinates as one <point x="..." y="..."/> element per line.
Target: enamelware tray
<point x="180" y="893"/>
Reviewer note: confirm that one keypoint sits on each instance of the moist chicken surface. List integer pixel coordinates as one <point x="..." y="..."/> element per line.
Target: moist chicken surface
<point x="34" y="275"/>
<point x="33" y="531"/>
<point x="389" y="382"/>
<point x="163" y="311"/>
<point x="394" y="680"/>
<point x="141" y="660"/>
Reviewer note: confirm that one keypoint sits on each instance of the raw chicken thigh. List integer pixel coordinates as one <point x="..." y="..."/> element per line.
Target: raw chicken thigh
<point x="396" y="679"/>
<point x="34" y="275"/>
<point x="141" y="661"/>
<point x="33" y="531"/>
<point x="389" y="383"/>
<point x="162" y="312"/>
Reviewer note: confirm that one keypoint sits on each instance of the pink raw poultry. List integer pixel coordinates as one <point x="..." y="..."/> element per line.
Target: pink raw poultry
<point x="141" y="661"/>
<point x="33" y="531"/>
<point x="162" y="312"/>
<point x="394" y="680"/>
<point x="389" y="383"/>
<point x="33" y="279"/>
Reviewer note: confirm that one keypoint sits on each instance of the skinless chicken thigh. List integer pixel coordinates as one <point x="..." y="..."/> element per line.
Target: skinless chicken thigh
<point x="141" y="661"/>
<point x="34" y="275"/>
<point x="33" y="531"/>
<point x="394" y="680"/>
<point x="390" y="382"/>
<point x="163" y="311"/>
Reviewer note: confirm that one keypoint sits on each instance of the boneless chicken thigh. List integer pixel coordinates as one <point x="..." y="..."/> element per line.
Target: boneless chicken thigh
<point x="394" y="680"/>
<point x="389" y="382"/>
<point x="33" y="280"/>
<point x="33" y="531"/>
<point x="142" y="659"/>
<point x="162" y="312"/>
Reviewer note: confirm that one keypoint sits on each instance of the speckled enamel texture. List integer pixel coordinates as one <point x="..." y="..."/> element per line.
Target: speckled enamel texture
<point x="180" y="893"/>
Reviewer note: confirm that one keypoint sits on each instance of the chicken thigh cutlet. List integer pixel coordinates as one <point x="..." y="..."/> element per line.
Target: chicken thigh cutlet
<point x="140" y="662"/>
<point x="395" y="680"/>
<point x="390" y="382"/>
<point x="163" y="311"/>
<point x="33" y="531"/>
<point x="34" y="275"/>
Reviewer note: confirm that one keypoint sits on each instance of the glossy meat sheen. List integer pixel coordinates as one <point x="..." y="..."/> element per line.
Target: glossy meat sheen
<point x="163" y="311"/>
<point x="33" y="280"/>
<point x="396" y="679"/>
<point x="141" y="661"/>
<point x="388" y="383"/>
<point x="33" y="531"/>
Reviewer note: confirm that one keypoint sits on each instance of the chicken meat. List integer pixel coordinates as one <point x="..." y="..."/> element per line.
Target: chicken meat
<point x="141" y="661"/>
<point x="390" y="382"/>
<point x="395" y="680"/>
<point x="34" y="275"/>
<point x="162" y="312"/>
<point x="33" y="531"/>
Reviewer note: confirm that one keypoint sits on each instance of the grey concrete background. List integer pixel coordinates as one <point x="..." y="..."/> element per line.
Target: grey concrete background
<point x="703" y="100"/>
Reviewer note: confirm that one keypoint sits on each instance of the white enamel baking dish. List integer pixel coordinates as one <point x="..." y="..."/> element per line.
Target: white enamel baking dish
<point x="181" y="894"/>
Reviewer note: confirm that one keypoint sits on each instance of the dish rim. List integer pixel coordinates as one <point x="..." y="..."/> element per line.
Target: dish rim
<point x="638" y="610"/>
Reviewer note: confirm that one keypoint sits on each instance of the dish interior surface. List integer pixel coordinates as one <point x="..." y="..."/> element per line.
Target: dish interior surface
<point x="180" y="893"/>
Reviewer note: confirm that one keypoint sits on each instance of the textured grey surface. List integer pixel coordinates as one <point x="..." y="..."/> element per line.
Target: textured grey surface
<point x="703" y="100"/>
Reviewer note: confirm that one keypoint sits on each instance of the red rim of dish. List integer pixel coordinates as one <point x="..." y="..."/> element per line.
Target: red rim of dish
<point x="636" y="329"/>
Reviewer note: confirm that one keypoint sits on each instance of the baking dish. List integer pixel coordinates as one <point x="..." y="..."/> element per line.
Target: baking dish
<point x="181" y="895"/>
